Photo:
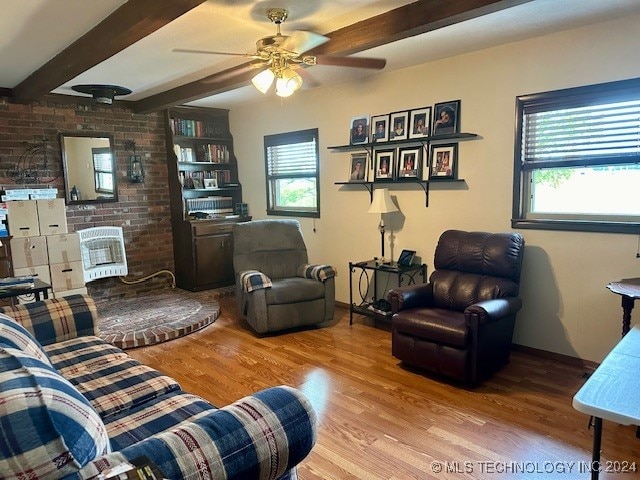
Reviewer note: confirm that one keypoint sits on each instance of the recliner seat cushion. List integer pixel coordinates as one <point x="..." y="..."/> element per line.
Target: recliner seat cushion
<point x="294" y="290"/>
<point x="434" y="324"/>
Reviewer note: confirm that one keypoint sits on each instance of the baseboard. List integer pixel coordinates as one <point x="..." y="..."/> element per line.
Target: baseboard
<point x="558" y="357"/>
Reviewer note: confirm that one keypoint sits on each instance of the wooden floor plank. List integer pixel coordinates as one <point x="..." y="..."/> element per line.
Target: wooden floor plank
<point x="381" y="420"/>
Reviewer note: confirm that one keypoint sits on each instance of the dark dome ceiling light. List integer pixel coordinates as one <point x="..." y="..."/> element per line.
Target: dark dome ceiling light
<point x="102" y="93"/>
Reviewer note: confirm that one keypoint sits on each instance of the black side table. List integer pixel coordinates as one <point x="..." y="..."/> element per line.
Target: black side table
<point x="39" y="287"/>
<point x="367" y="303"/>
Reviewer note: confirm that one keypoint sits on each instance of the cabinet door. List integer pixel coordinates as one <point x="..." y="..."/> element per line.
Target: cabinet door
<point x="214" y="260"/>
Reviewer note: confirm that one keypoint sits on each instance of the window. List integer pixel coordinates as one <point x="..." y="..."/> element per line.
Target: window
<point x="102" y="168"/>
<point x="291" y="162"/>
<point x="577" y="159"/>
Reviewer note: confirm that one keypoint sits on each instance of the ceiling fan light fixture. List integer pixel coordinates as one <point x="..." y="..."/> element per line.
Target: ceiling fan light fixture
<point x="288" y="82"/>
<point x="263" y="80"/>
<point x="102" y="93"/>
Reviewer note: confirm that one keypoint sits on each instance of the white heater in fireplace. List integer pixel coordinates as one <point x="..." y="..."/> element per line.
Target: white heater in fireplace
<point x="102" y="250"/>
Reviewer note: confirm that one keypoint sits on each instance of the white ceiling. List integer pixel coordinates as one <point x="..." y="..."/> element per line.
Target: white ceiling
<point x="33" y="31"/>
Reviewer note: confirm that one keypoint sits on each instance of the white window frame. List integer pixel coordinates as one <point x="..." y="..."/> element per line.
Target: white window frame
<point x="309" y="169"/>
<point x="527" y="161"/>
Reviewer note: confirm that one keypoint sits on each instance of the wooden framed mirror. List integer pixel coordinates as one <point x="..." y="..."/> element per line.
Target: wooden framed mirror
<point x="89" y="163"/>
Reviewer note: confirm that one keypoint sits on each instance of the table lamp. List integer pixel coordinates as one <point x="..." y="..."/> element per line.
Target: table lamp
<point x="381" y="204"/>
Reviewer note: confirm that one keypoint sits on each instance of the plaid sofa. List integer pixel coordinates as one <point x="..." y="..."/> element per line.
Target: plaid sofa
<point x="73" y="406"/>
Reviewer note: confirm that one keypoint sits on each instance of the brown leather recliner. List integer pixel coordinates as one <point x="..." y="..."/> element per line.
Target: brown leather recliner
<point x="460" y="324"/>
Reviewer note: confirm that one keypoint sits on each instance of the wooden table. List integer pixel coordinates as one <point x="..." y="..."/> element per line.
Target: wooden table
<point x="39" y="287"/>
<point x="629" y="289"/>
<point x="611" y="393"/>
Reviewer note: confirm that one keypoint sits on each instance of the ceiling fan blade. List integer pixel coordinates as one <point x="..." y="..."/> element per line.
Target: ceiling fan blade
<point x="231" y="73"/>
<point x="308" y="80"/>
<point x="301" y="41"/>
<point x="210" y="52"/>
<point x="357" y="62"/>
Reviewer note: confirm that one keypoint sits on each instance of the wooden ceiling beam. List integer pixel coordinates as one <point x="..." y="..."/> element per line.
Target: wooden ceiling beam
<point x="131" y="22"/>
<point x="413" y="19"/>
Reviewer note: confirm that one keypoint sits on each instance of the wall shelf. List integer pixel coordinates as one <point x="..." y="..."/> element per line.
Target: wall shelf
<point x="424" y="142"/>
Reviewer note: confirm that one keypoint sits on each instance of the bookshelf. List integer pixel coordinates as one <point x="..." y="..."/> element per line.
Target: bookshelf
<point x="205" y="189"/>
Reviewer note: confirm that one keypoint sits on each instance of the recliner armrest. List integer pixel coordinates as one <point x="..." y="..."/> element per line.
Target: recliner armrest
<point x="491" y="310"/>
<point x="411" y="296"/>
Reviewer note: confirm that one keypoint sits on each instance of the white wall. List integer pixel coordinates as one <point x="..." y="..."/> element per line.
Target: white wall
<point x="567" y="308"/>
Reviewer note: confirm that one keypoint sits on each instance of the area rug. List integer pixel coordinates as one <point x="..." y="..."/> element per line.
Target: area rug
<point x="157" y="317"/>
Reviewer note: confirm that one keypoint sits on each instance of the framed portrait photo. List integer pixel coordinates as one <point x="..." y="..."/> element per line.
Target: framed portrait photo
<point x="210" y="183"/>
<point x="197" y="183"/>
<point x="409" y="162"/>
<point x="446" y="117"/>
<point x="358" y="167"/>
<point x="444" y="161"/>
<point x="385" y="164"/>
<point x="380" y="128"/>
<point x="359" y="130"/>
<point x="420" y="122"/>
<point x="398" y="124"/>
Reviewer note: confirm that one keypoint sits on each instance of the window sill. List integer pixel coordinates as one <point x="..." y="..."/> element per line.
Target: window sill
<point x="576" y="226"/>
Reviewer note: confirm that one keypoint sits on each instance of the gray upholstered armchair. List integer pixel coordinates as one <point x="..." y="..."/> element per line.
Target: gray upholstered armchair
<point x="276" y="288"/>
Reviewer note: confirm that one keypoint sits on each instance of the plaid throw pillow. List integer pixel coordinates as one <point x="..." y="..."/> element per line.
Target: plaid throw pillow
<point x="49" y="429"/>
<point x="14" y="335"/>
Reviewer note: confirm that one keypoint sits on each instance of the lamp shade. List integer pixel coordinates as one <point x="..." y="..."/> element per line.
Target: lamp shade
<point x="289" y="82"/>
<point x="263" y="80"/>
<point x="382" y="202"/>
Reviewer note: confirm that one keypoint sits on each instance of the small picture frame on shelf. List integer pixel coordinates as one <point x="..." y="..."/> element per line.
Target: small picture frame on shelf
<point x="210" y="183"/>
<point x="359" y="130"/>
<point x="398" y="125"/>
<point x="444" y="161"/>
<point x="380" y="128"/>
<point x="385" y="164"/>
<point x="409" y="162"/>
<point x="446" y="117"/>
<point x="358" y="167"/>
<point x="420" y="122"/>
<point x="197" y="183"/>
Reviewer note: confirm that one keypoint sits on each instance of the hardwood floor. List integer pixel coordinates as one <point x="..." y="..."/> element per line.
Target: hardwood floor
<point x="380" y="420"/>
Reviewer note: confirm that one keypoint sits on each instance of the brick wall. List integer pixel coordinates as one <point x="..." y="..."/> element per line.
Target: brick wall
<point x="142" y="210"/>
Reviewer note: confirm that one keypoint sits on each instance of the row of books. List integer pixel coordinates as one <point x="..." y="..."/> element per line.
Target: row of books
<point x="210" y="205"/>
<point x="198" y="128"/>
<point x="208" y="152"/>
<point x="197" y="179"/>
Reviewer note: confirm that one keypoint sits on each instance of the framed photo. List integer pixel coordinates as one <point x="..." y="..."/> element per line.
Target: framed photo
<point x="444" y="161"/>
<point x="406" y="258"/>
<point x="385" y="164"/>
<point x="409" y="162"/>
<point x="197" y="183"/>
<point x="359" y="129"/>
<point x="420" y="122"/>
<point x="380" y="128"/>
<point x="398" y="126"/>
<point x="358" y="167"/>
<point x="446" y="117"/>
<point x="210" y="183"/>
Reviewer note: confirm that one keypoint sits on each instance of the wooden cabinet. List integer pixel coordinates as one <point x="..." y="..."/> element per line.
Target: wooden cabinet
<point x="205" y="190"/>
<point x="203" y="254"/>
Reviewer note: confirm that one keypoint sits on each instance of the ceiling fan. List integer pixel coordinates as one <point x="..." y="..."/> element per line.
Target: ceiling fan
<point x="279" y="56"/>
